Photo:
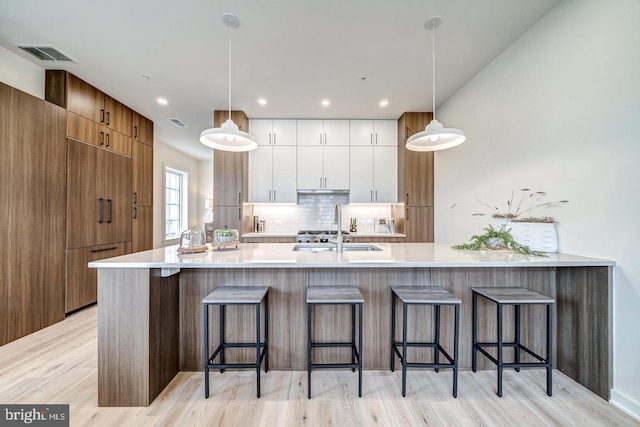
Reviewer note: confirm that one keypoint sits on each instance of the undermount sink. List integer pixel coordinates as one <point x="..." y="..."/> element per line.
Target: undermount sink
<point x="325" y="247"/>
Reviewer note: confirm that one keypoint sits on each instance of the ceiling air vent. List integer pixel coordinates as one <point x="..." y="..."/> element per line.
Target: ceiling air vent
<point x="178" y="123"/>
<point x="46" y="53"/>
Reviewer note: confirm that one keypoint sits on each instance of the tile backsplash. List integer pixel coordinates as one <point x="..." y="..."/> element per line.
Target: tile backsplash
<point x="315" y="212"/>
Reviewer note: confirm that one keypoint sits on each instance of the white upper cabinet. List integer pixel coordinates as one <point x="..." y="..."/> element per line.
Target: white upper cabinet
<point x="273" y="132"/>
<point x="372" y="173"/>
<point x="323" y="167"/>
<point x="323" y="132"/>
<point x="373" y="132"/>
<point x="272" y="166"/>
<point x="272" y="174"/>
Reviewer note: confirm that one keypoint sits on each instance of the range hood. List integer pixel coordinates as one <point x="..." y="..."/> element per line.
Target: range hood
<point x="321" y="191"/>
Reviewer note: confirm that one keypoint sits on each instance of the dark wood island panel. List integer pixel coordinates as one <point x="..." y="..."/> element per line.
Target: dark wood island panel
<point x="581" y="344"/>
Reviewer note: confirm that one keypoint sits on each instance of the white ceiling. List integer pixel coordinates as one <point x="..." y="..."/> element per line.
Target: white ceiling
<point x="294" y="53"/>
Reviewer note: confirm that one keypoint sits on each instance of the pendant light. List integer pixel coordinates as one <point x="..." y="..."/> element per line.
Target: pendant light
<point x="228" y="137"/>
<point x="435" y="136"/>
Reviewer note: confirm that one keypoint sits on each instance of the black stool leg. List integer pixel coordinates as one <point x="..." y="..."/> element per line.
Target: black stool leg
<point x="549" y="348"/>
<point x="353" y="335"/>
<point x="436" y="350"/>
<point x="222" y="310"/>
<point x="499" y="349"/>
<point x="206" y="351"/>
<point x="456" y="331"/>
<point x="404" y="349"/>
<point x="474" y="324"/>
<point x="517" y="337"/>
<point x="309" y="309"/>
<point x="393" y="329"/>
<point x="258" y="349"/>
<point x="360" y="350"/>
<point x="266" y="333"/>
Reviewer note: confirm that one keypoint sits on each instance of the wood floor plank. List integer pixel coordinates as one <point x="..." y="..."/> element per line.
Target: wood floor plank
<point x="59" y="365"/>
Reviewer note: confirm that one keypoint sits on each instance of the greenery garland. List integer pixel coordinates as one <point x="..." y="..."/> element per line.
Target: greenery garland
<point x="493" y="239"/>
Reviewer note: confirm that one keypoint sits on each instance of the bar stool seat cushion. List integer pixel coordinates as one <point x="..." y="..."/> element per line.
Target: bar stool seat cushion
<point x="236" y="295"/>
<point x="334" y="295"/>
<point x="424" y="295"/>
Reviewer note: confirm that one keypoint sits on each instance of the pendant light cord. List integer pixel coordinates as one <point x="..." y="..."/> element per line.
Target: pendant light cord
<point x="433" y="68"/>
<point x="229" y="38"/>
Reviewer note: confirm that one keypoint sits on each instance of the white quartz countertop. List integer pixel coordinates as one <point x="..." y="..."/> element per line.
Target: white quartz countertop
<point x="399" y="255"/>
<point x="293" y="234"/>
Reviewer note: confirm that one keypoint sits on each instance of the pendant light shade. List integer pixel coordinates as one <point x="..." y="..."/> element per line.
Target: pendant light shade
<point x="228" y="137"/>
<point x="435" y="136"/>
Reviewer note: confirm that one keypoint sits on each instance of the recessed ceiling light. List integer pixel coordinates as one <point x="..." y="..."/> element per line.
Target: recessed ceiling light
<point x="325" y="102"/>
<point x="384" y="103"/>
<point x="162" y="101"/>
<point x="262" y="101"/>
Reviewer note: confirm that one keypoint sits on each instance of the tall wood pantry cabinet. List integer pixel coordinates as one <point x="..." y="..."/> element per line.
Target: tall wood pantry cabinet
<point x="415" y="180"/>
<point x="231" y="180"/>
<point x="32" y="213"/>
<point x="109" y="185"/>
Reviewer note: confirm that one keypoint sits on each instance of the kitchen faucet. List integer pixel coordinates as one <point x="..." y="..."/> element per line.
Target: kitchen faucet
<point x="337" y="219"/>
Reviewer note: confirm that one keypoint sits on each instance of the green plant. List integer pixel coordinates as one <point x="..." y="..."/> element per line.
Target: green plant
<point x="225" y="233"/>
<point x="493" y="239"/>
<point x="529" y="203"/>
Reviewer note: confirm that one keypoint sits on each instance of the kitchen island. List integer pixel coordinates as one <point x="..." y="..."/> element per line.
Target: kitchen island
<point x="150" y="307"/>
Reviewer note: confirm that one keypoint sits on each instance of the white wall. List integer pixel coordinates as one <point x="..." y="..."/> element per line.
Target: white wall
<point x="21" y="73"/>
<point x="164" y="155"/>
<point x="205" y="188"/>
<point x="558" y="111"/>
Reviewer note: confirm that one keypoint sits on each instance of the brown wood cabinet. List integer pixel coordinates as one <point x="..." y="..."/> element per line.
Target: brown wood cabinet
<point x="142" y="159"/>
<point x="415" y="180"/>
<point x="94" y="133"/>
<point x="68" y="91"/>
<point x="32" y="172"/>
<point x="82" y="289"/>
<point x="142" y="129"/>
<point x="231" y="180"/>
<point x="142" y="228"/>
<point x="98" y="196"/>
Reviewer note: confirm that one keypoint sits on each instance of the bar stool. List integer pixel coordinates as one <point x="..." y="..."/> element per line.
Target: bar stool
<point x="336" y="295"/>
<point x="436" y="297"/>
<point x="236" y="295"/>
<point x="516" y="297"/>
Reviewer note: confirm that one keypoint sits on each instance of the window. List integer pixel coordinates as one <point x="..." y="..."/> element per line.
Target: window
<point x="175" y="202"/>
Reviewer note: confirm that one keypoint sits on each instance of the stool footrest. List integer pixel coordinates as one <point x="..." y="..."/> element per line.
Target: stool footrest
<point x="479" y="346"/>
<point x="441" y="350"/>
<point x="332" y="344"/>
<point x="334" y="365"/>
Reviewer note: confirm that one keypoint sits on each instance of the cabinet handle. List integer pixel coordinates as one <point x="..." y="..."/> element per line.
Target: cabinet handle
<point x="325" y="139"/>
<point x="371" y="196"/>
<point x="274" y="138"/>
<point x="101" y="218"/>
<point x="93" y="251"/>
<point x="274" y="195"/>
<point x="320" y="182"/>
<point x="101" y="138"/>
<point x="108" y="118"/>
<point x="320" y="138"/>
<point x="102" y="115"/>
<point x="371" y="138"/>
<point x="107" y="135"/>
<point x="135" y="132"/>
<point x="325" y="182"/>
<point x="135" y="198"/>
<point x="376" y="195"/>
<point x="239" y="213"/>
<point x="135" y="213"/>
<point x="376" y="139"/>
<point x="239" y="198"/>
<point x="269" y="195"/>
<point x="406" y="215"/>
<point x="406" y="133"/>
<point x="110" y="210"/>
<point x="406" y="200"/>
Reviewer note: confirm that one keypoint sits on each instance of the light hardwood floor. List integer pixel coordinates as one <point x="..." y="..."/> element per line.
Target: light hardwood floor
<point x="59" y="365"/>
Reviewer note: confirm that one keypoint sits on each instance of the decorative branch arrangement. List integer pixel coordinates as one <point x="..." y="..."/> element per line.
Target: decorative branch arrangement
<point x="527" y="208"/>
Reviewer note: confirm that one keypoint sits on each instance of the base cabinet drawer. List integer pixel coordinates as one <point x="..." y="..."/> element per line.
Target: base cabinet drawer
<point x="81" y="281"/>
